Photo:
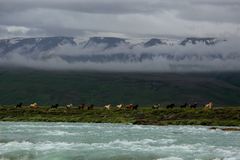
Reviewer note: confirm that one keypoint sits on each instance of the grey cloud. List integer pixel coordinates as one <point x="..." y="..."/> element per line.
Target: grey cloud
<point x="213" y="11"/>
<point x="112" y="6"/>
<point x="78" y="17"/>
<point x="90" y="6"/>
<point x="230" y="3"/>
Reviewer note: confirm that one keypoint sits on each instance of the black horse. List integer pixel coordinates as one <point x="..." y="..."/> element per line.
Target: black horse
<point x="54" y="106"/>
<point x="193" y="105"/>
<point x="135" y="107"/>
<point x="170" y="106"/>
<point x="184" y="105"/>
<point x="19" y="105"/>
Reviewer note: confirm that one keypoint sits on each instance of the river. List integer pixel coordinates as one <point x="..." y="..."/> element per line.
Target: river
<point x="91" y="141"/>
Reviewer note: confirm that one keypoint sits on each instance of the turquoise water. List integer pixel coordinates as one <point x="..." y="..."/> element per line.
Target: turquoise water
<point x="84" y="141"/>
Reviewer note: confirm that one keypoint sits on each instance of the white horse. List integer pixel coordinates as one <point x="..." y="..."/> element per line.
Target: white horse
<point x="69" y="106"/>
<point x="34" y="105"/>
<point x="120" y="106"/>
<point x="108" y="107"/>
<point x="156" y="106"/>
<point x="209" y="106"/>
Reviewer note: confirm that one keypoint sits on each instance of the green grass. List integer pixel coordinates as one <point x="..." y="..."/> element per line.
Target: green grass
<point x="218" y="117"/>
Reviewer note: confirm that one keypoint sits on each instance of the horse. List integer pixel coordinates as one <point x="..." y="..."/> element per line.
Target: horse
<point x="135" y="107"/>
<point x="208" y="106"/>
<point x="81" y="106"/>
<point x="19" y="105"/>
<point x="54" y="106"/>
<point x="132" y="107"/>
<point x="184" y="105"/>
<point x="33" y="106"/>
<point x="68" y="106"/>
<point x="120" y="106"/>
<point x="193" y="105"/>
<point x="90" y="107"/>
<point x="108" y="107"/>
<point x="156" y="106"/>
<point x="129" y="106"/>
<point x="170" y="106"/>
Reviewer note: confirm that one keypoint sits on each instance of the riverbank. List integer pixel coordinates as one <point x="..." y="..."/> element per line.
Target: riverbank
<point x="143" y="116"/>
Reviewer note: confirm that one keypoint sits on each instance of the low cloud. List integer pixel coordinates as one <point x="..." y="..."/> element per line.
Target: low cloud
<point x="223" y="56"/>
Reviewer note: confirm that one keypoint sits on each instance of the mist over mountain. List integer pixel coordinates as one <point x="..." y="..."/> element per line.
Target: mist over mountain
<point x="122" y="54"/>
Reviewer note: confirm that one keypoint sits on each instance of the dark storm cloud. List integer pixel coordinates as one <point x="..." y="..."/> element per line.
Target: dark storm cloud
<point x="78" y="17"/>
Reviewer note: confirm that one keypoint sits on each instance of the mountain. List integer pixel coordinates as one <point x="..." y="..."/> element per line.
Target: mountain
<point x="107" y="42"/>
<point x="44" y="44"/>
<point x="30" y="45"/>
<point x="154" y="42"/>
<point x="110" y="49"/>
<point x="193" y="40"/>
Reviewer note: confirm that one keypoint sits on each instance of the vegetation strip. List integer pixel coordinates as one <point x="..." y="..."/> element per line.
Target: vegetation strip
<point x="143" y="115"/>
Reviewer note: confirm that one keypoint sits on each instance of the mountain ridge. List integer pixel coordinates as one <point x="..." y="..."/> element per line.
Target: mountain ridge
<point x="47" y="43"/>
<point x="108" y="52"/>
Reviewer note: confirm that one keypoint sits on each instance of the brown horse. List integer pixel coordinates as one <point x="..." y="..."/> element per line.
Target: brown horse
<point x="90" y="107"/>
<point x="82" y="106"/>
<point x="132" y="106"/>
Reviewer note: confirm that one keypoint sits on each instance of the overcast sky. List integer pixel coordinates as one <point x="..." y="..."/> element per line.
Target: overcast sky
<point x="212" y="18"/>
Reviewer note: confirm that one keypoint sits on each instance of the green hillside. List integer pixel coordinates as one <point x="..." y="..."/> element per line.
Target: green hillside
<point x="48" y="87"/>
